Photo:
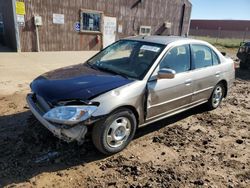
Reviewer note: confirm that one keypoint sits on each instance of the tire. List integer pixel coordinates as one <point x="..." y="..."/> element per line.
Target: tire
<point x="114" y="133"/>
<point x="216" y="97"/>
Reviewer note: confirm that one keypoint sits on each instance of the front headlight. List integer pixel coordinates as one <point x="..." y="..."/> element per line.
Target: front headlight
<point x="69" y="115"/>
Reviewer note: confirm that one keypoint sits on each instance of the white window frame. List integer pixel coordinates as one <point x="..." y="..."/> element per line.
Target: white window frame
<point x="91" y="12"/>
<point x="143" y="27"/>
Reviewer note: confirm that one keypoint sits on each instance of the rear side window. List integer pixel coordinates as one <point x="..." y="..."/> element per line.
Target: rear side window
<point x="216" y="60"/>
<point x="178" y="59"/>
<point x="201" y="56"/>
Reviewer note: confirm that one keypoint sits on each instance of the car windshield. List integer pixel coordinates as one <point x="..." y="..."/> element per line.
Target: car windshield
<point x="131" y="59"/>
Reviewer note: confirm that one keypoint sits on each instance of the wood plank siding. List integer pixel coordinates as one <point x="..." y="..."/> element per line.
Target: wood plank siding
<point x="130" y="14"/>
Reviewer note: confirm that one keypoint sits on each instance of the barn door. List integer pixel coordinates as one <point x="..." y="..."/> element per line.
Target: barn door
<point x="109" y="31"/>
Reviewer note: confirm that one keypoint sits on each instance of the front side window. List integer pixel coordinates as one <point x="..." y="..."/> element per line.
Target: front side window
<point x="201" y="56"/>
<point x="129" y="58"/>
<point x="178" y="59"/>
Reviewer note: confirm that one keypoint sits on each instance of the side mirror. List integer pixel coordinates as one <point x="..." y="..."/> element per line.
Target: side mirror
<point x="166" y="74"/>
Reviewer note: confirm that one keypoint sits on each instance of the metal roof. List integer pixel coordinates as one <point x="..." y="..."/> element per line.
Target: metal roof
<point x="158" y="39"/>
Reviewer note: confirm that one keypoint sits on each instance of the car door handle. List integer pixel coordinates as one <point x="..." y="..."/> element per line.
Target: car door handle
<point x="188" y="82"/>
<point x="217" y="74"/>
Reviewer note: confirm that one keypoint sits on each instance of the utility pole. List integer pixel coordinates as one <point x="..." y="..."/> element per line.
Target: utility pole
<point x="218" y="35"/>
<point x="245" y="34"/>
<point x="37" y="40"/>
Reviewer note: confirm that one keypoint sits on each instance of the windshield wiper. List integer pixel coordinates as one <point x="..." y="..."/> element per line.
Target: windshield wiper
<point x="92" y="66"/>
<point x="105" y="69"/>
<point x="113" y="71"/>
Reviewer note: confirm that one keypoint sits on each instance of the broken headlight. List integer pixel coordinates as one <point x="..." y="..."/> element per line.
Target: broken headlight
<point x="69" y="115"/>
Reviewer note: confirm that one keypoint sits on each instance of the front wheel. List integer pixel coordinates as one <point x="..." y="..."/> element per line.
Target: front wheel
<point x="114" y="134"/>
<point x="216" y="97"/>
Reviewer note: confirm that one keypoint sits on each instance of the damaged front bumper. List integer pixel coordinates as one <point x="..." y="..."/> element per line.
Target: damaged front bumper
<point x="75" y="133"/>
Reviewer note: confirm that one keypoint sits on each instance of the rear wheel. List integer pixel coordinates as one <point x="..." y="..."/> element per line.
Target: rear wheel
<point x="114" y="134"/>
<point x="216" y="97"/>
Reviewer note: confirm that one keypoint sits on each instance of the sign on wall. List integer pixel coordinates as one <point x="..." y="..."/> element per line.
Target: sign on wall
<point x="120" y="28"/>
<point x="20" y="20"/>
<point x="20" y="8"/>
<point x="58" y="18"/>
<point x="77" y="26"/>
<point x="109" y="30"/>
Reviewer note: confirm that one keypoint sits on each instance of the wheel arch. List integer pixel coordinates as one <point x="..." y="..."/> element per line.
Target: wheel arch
<point x="225" y="85"/>
<point x="131" y="108"/>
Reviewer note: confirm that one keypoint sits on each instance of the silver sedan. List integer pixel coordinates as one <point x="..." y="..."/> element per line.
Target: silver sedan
<point x="131" y="83"/>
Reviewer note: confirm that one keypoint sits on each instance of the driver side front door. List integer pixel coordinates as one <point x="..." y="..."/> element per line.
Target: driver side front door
<point x="166" y="96"/>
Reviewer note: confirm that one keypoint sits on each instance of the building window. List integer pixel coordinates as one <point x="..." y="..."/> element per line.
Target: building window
<point x="145" y="30"/>
<point x="91" y="21"/>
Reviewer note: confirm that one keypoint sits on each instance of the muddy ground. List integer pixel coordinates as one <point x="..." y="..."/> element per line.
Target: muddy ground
<point x="194" y="149"/>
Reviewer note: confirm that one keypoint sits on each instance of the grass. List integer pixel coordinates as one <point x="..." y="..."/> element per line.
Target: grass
<point x="223" y="42"/>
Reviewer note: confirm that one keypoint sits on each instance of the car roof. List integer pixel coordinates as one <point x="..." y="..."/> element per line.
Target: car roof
<point x="158" y="39"/>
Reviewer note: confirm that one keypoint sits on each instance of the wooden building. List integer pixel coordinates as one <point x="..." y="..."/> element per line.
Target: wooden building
<point x="221" y="28"/>
<point x="65" y="25"/>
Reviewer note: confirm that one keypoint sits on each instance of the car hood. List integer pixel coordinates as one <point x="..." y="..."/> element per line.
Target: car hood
<point x="79" y="82"/>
